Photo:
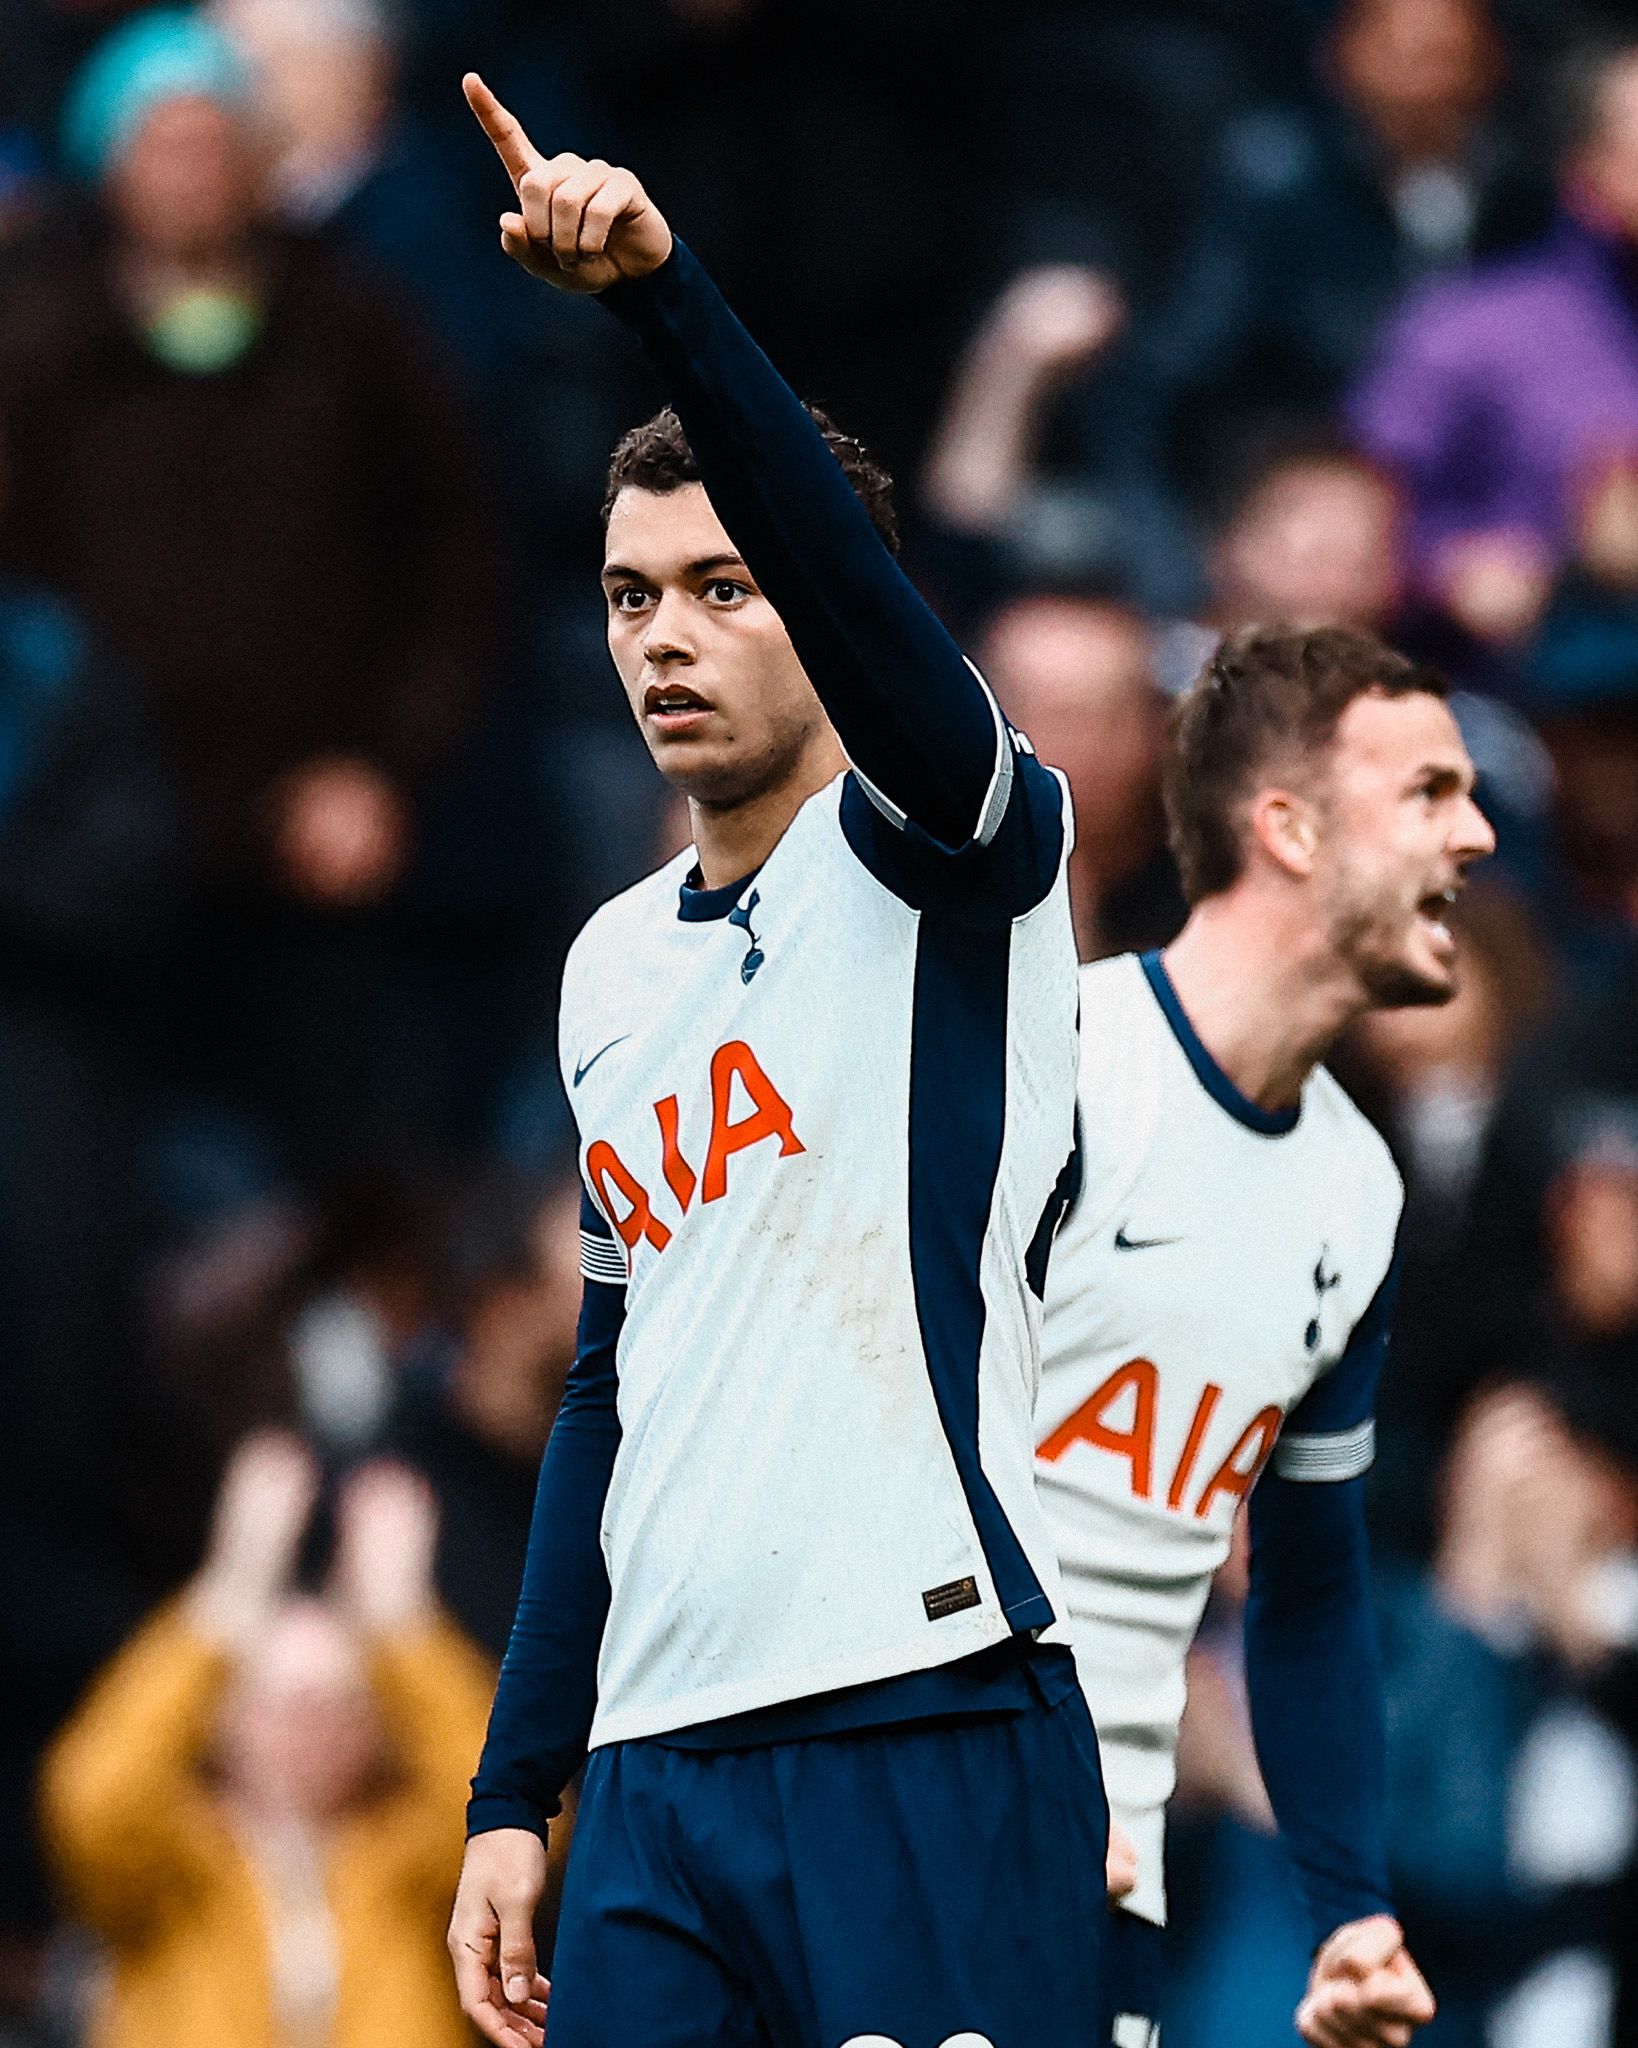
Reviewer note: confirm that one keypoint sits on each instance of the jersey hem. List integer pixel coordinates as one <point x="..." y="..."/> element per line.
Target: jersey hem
<point x="719" y="1703"/>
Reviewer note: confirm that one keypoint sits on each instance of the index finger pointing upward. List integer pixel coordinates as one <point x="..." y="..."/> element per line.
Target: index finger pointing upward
<point x="504" y="130"/>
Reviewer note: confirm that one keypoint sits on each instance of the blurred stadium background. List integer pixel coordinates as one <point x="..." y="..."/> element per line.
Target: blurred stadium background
<point x="1168" y="317"/>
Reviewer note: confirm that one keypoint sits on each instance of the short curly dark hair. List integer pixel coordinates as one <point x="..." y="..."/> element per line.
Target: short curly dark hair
<point x="1268" y="697"/>
<point x="656" y="457"/>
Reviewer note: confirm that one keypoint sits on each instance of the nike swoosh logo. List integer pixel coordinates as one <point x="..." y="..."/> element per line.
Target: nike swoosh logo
<point x="1123" y="1243"/>
<point x="580" y="1073"/>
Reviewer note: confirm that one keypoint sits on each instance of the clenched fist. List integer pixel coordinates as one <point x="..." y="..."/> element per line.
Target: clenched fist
<point x="1363" y="1990"/>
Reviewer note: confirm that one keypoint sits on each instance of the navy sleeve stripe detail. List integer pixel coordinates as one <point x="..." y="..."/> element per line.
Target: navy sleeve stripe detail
<point x="1329" y="1456"/>
<point x="1052" y="1216"/>
<point x="593" y="1223"/>
<point x="999" y="794"/>
<point x="958" y="1053"/>
<point x="885" y="804"/>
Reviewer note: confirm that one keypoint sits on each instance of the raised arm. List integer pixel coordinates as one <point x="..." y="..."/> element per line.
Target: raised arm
<point x="126" y="1819"/>
<point x="916" y="722"/>
<point x="126" y="1809"/>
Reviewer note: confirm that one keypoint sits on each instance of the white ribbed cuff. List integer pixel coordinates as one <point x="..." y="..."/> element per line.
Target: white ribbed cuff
<point x="1338" y="1454"/>
<point x="602" y="1259"/>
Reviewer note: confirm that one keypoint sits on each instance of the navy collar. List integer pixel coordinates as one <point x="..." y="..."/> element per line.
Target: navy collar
<point x="702" y="906"/>
<point x="1270" y="1123"/>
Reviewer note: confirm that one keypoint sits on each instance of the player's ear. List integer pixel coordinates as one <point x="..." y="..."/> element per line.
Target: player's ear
<point x="1286" y="827"/>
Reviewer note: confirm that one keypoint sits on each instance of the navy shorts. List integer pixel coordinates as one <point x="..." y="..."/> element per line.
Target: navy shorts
<point x="917" y="1886"/>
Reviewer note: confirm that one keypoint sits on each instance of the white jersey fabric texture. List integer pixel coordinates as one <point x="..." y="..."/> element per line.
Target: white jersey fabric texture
<point x="805" y="1497"/>
<point x="1208" y="1275"/>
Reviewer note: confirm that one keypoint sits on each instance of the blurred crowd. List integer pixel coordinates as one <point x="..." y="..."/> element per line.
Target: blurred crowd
<point x="1170" y="316"/>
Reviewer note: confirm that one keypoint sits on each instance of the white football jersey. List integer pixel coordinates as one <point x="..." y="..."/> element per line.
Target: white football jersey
<point x="1216" y="1264"/>
<point x="829" y="1131"/>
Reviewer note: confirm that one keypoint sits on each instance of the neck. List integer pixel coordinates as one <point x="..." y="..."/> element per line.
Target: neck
<point x="1266" y="994"/>
<point x="735" y="839"/>
<point x="272" y="1813"/>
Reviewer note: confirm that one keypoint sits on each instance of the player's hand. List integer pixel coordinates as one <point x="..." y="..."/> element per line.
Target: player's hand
<point x="581" y="226"/>
<point x="1363" y="1990"/>
<point x="492" y="1937"/>
<point x="1120" y="1867"/>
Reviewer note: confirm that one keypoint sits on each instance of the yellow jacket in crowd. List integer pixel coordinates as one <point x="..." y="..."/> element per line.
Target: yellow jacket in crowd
<point x="152" y="1861"/>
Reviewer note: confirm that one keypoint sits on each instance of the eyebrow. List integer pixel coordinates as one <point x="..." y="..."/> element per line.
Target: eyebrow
<point x="1445" y="774"/>
<point x="703" y="567"/>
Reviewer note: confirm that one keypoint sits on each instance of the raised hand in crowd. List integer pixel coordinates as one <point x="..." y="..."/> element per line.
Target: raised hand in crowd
<point x="386" y="1534"/>
<point x="262" y="1510"/>
<point x="1535" y="1516"/>
<point x="1052" y="321"/>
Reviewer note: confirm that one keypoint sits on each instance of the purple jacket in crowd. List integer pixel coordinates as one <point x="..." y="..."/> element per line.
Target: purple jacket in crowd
<point x="1493" y="396"/>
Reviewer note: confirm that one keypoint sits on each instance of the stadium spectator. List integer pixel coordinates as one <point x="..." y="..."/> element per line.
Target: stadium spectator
<point x="1074" y="674"/>
<point x="1502" y="398"/>
<point x="1513" y="1801"/>
<point x="479" y="1387"/>
<point x="1577" y="677"/>
<point x="1154" y="85"/>
<point x="88" y="871"/>
<point x="1315" y="539"/>
<point x="241" y="457"/>
<point x="1550" y="1241"/>
<point x="1311" y="536"/>
<point x="999" y="517"/>
<point x="258" y="1807"/>
<point x="1315" y="224"/>
<point x="380" y="178"/>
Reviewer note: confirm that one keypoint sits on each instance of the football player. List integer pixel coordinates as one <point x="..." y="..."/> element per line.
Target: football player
<point x="790" y="1580"/>
<point x="1219" y="1296"/>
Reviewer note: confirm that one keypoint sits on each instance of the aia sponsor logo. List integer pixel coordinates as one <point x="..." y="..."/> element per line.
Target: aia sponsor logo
<point x="626" y="1200"/>
<point x="1094" y="1422"/>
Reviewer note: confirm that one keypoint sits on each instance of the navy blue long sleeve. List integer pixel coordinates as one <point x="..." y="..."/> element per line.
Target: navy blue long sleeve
<point x="1314" y="1675"/>
<point x="910" y="712"/>
<point x="548" y="1684"/>
<point x="1313" y="1669"/>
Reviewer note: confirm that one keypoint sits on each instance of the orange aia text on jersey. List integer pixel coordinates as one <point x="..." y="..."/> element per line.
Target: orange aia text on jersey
<point x="1092" y="1424"/>
<point x="623" y="1197"/>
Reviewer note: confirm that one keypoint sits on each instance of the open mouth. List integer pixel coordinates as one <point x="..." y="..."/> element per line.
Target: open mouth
<point x="1434" y="912"/>
<point x="674" y="707"/>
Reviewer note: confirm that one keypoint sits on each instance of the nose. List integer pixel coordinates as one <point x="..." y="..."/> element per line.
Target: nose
<point x="1475" y="836"/>
<point x="667" y="640"/>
